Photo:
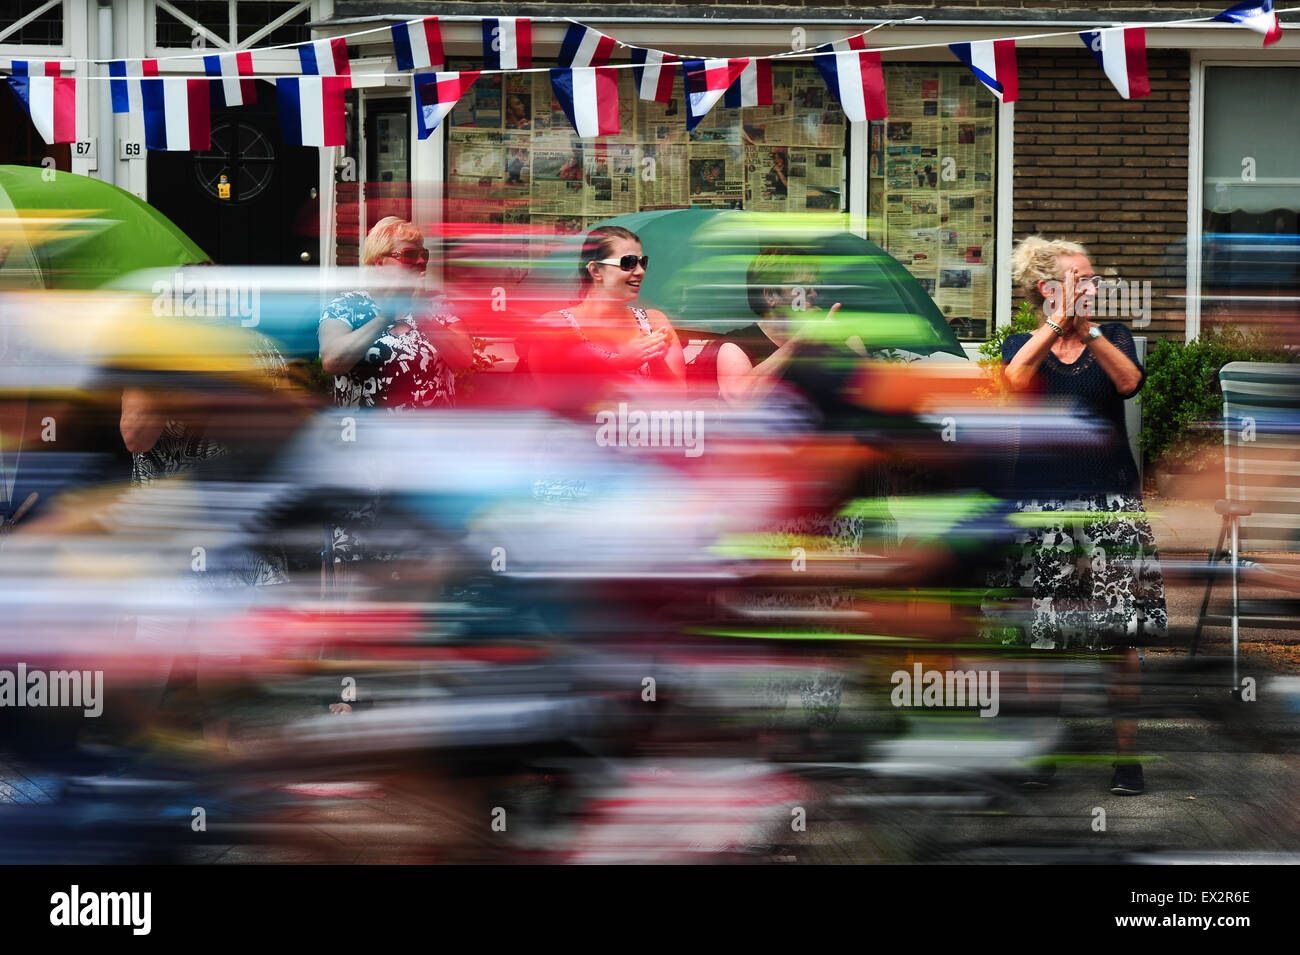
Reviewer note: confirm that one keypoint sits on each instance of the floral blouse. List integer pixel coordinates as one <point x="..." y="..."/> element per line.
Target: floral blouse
<point x="397" y="371"/>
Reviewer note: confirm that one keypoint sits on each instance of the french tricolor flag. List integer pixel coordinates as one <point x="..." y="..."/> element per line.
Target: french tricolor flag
<point x="418" y="44"/>
<point x="754" y="88"/>
<point x="177" y="114"/>
<point x="325" y="57"/>
<point x="50" y="101"/>
<point x="35" y="68"/>
<point x="854" y="77"/>
<point x="508" y="43"/>
<point x="1259" y="17"/>
<point x="655" y="76"/>
<point x="994" y="64"/>
<point x="436" y="94"/>
<point x="705" y="82"/>
<point x="1121" y="52"/>
<point x="311" y="109"/>
<point x="589" y="97"/>
<point x="124" y="87"/>
<point x="584" y="46"/>
<point x="233" y="83"/>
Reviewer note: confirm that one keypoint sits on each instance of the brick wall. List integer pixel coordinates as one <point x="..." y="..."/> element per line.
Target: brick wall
<point x="1106" y="172"/>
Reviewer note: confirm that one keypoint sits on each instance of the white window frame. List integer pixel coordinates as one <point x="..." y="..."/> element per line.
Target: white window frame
<point x="1200" y="61"/>
<point x="10" y="47"/>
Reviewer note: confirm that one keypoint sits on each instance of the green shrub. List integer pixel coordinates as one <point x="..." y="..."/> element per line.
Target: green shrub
<point x="1025" y="319"/>
<point x="1182" y="403"/>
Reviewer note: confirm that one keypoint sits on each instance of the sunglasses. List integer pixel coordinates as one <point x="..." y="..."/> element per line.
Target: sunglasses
<point x="411" y="256"/>
<point x="627" y="263"/>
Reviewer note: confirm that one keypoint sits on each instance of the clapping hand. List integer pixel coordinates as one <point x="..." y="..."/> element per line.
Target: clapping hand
<point x="643" y="348"/>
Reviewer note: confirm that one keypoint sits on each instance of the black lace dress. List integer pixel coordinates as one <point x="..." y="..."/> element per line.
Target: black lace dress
<point x="1084" y="557"/>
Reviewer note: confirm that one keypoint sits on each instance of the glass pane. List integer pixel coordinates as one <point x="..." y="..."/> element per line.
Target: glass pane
<point x="1250" y="250"/>
<point x="45" y="30"/>
<point x="255" y="14"/>
<point x="930" y="195"/>
<point x="212" y="14"/>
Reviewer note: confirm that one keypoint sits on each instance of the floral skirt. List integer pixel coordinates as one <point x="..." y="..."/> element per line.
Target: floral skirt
<point x="1083" y="573"/>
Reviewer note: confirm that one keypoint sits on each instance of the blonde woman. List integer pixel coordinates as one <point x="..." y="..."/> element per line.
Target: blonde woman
<point x="393" y="345"/>
<point x="1089" y="561"/>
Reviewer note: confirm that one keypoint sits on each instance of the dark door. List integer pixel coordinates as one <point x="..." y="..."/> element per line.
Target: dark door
<point x="271" y="217"/>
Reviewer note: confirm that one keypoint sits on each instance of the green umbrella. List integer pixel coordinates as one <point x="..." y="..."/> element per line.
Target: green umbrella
<point x="699" y="260"/>
<point x="61" y="230"/>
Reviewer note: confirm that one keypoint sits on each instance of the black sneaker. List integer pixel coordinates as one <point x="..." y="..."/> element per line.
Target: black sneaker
<point x="1128" y="780"/>
<point x="1042" y="776"/>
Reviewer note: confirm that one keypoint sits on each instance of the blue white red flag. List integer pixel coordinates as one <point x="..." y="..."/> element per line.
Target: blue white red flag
<point x="507" y="43"/>
<point x="325" y="57"/>
<point x="854" y="77"/>
<point x="35" y="68"/>
<point x="311" y="109"/>
<point x="584" y="46"/>
<point x="177" y="114"/>
<point x="232" y="78"/>
<point x="1256" y="16"/>
<point x="418" y="44"/>
<point x="994" y="64"/>
<point x="753" y="88"/>
<point x="705" y="82"/>
<point x="50" y="101"/>
<point x="589" y="97"/>
<point x="436" y="94"/>
<point x="125" y="85"/>
<point x="1121" y="52"/>
<point x="655" y="76"/>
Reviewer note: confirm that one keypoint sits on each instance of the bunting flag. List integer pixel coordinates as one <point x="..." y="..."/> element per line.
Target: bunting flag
<point x="994" y="64"/>
<point x="584" y="46"/>
<point x="233" y="83"/>
<point x="754" y="88"/>
<point x="177" y="114"/>
<point x="418" y="44"/>
<point x="1256" y="16"/>
<point x="325" y="57"/>
<point x="854" y="77"/>
<point x="589" y="97"/>
<point x="311" y="109"/>
<point x="508" y="43"/>
<point x="124" y="87"/>
<point x="654" y="77"/>
<point x="1121" y="52"/>
<point x="436" y="94"/>
<point x="50" y="101"/>
<point x="705" y="82"/>
<point x="35" y="68"/>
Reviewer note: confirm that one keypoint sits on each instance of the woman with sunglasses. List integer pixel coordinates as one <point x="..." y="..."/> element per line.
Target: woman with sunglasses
<point x="392" y="345"/>
<point x="607" y="332"/>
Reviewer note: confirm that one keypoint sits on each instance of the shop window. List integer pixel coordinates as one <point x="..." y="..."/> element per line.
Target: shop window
<point x="512" y="157"/>
<point x="255" y="22"/>
<point x="1250" y="242"/>
<point x="931" y="173"/>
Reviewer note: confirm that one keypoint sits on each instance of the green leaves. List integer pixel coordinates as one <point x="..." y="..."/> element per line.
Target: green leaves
<point x="1182" y="403"/>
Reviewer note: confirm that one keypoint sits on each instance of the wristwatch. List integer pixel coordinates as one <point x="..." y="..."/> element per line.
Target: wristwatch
<point x="1094" y="332"/>
<point x="1054" y="327"/>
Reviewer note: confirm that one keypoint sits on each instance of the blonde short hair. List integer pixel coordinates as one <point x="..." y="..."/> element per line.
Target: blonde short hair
<point x="1036" y="259"/>
<point x="387" y="232"/>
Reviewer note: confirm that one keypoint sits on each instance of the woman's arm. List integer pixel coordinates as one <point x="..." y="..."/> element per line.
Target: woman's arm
<point x="1023" y="366"/>
<point x="455" y="347"/>
<point x="341" y="347"/>
<point x="739" y="381"/>
<point x="673" y="360"/>
<point x="1122" y="371"/>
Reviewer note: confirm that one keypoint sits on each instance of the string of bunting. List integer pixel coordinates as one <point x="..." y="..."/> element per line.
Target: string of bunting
<point x="177" y="110"/>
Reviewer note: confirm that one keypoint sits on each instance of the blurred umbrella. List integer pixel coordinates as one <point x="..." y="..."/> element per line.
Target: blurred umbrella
<point x="699" y="260"/>
<point x="61" y="230"/>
